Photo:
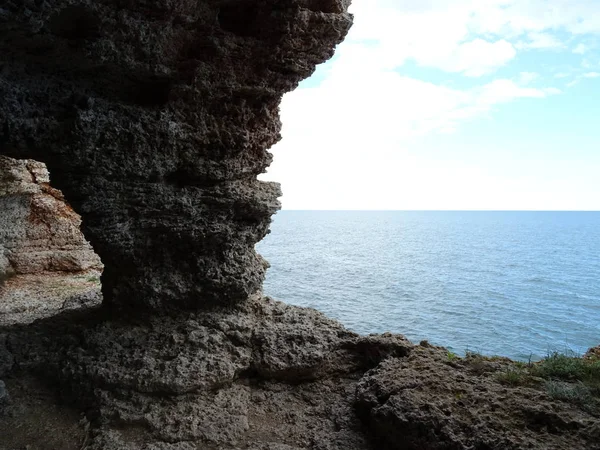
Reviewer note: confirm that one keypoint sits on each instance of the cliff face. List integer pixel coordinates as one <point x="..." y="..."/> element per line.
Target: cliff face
<point x="39" y="232"/>
<point x="154" y="119"/>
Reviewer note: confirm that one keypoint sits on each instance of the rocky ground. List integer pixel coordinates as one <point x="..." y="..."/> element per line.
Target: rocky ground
<point x="268" y="376"/>
<point x="28" y="297"/>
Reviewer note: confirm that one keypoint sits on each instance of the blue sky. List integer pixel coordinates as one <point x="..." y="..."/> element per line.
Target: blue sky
<point x="450" y="104"/>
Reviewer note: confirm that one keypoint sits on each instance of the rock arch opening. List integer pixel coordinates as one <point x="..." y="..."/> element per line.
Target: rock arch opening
<point x="46" y="265"/>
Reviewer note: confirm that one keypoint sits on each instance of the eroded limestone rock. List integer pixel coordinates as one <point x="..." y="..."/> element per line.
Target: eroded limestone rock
<point x="154" y="119"/>
<point x="428" y="401"/>
<point x="266" y="375"/>
<point x="39" y="232"/>
<point x="262" y="375"/>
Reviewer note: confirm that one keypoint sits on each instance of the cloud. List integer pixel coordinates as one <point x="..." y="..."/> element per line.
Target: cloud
<point x="348" y="134"/>
<point x="580" y="49"/>
<point x="528" y="77"/>
<point x="540" y="41"/>
<point x="552" y="91"/>
<point x="588" y="75"/>
<point x="475" y="58"/>
<point x="343" y="130"/>
<point x="433" y="31"/>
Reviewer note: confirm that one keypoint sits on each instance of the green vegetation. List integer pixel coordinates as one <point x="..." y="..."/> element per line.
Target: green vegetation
<point x="577" y="393"/>
<point x="452" y="356"/>
<point x="515" y="377"/>
<point x="89" y="278"/>
<point x="559" y="366"/>
<point x="566" y="377"/>
<point x="471" y="354"/>
<point x="569" y="378"/>
<point x="93" y="279"/>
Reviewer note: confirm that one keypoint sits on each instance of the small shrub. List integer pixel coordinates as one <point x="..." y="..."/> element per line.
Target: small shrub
<point x="514" y="377"/>
<point x="559" y="366"/>
<point x="577" y="393"/>
<point x="520" y="365"/>
<point x="472" y="354"/>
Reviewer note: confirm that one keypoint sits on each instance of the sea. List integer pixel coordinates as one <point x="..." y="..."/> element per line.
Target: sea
<point x="516" y="284"/>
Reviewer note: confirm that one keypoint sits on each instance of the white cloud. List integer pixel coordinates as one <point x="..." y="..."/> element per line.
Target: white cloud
<point x="582" y="76"/>
<point x="477" y="57"/>
<point x="587" y="64"/>
<point x="580" y="49"/>
<point x="502" y="91"/>
<point x="356" y="120"/>
<point x="540" y="41"/>
<point x="433" y="31"/>
<point x="552" y="91"/>
<point x="350" y="136"/>
<point x="528" y="77"/>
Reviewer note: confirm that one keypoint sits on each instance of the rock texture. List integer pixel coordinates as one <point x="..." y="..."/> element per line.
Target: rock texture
<point x="39" y="232"/>
<point x="267" y="376"/>
<point x="430" y="401"/>
<point x="264" y="375"/>
<point x="26" y="298"/>
<point x="154" y="119"/>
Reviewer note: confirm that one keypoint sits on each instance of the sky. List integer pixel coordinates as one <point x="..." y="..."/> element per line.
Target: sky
<point x="450" y="105"/>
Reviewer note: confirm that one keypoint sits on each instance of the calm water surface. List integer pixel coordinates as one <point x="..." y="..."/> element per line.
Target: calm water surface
<point x="508" y="283"/>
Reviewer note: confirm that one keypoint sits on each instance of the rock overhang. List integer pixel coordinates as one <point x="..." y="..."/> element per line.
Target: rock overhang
<point x="155" y="119"/>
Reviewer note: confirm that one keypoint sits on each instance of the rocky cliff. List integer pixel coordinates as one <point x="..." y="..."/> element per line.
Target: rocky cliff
<point x="154" y="118"/>
<point x="46" y="264"/>
<point x="39" y="232"/>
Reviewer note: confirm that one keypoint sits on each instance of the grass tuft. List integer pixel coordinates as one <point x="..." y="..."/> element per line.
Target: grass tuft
<point x="452" y="356"/>
<point x="576" y="393"/>
<point x="559" y="366"/>
<point x="514" y="377"/>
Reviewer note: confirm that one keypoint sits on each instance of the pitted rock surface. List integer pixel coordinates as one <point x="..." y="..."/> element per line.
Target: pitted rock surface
<point x="262" y="375"/>
<point x="39" y="232"/>
<point x="154" y="119"/>
<point x="428" y="401"/>
<point x="265" y="375"/>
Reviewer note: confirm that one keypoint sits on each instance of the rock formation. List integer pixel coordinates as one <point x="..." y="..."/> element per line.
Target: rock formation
<point x="39" y="232"/>
<point x="46" y="265"/>
<point x="154" y="118"/>
<point x="430" y="401"/>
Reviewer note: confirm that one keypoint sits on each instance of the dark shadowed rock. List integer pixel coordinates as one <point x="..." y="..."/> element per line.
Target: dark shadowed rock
<point x="4" y="397"/>
<point x="154" y="119"/>
<point x="261" y="375"/>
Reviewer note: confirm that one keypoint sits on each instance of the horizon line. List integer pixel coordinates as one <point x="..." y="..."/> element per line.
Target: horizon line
<point x="441" y="210"/>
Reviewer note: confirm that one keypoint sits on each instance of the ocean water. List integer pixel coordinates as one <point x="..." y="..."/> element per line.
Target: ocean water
<point x="517" y="284"/>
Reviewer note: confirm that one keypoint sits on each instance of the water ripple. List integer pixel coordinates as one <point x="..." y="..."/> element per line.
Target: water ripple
<point x="518" y="284"/>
